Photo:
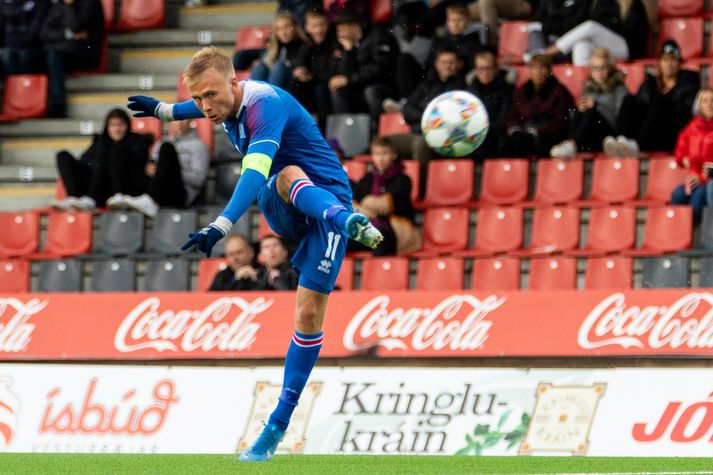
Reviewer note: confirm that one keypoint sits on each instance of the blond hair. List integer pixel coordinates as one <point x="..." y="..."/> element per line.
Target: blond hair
<point x="208" y="58"/>
<point x="273" y="45"/>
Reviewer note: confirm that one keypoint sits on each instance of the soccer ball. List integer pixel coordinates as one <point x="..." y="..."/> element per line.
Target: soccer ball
<point x="455" y="123"/>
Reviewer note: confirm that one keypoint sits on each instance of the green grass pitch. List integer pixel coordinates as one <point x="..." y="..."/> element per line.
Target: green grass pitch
<point x="341" y="464"/>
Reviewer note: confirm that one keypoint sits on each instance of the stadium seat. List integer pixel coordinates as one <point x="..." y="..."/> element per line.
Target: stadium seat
<point x="21" y="233"/>
<point x="572" y="77"/>
<point x="610" y="230"/>
<point x="226" y="177"/>
<point x="345" y="279"/>
<point x="678" y="8"/>
<point x="505" y="181"/>
<point x="252" y="37"/>
<point x="705" y="273"/>
<point x="355" y="169"/>
<point x="381" y="10"/>
<point x="554" y="230"/>
<point x="665" y="272"/>
<point x="413" y="169"/>
<point x="120" y="233"/>
<point x="635" y="73"/>
<point x="663" y="177"/>
<point x="24" y="97"/>
<point x="113" y="275"/>
<point x="207" y="268"/>
<point x="520" y="73"/>
<point x="242" y="226"/>
<point x="141" y="14"/>
<point x="497" y="231"/>
<point x="687" y="32"/>
<point x="352" y="131"/>
<point x="445" y="230"/>
<point x="608" y="273"/>
<point x="496" y="273"/>
<point x="204" y="129"/>
<point x="667" y="229"/>
<point x="68" y="234"/>
<point x="558" y="181"/>
<point x="263" y="228"/>
<point x="705" y="230"/>
<point x="441" y="273"/>
<point x="182" y="93"/>
<point x="449" y="182"/>
<point x="512" y="42"/>
<point x="392" y="123"/>
<point x="167" y="275"/>
<point x="242" y="75"/>
<point x="170" y="230"/>
<point x="109" y="9"/>
<point x="59" y="276"/>
<point x="614" y="180"/>
<point x="384" y="274"/>
<point x="14" y="275"/>
<point x="553" y="273"/>
<point x="146" y="126"/>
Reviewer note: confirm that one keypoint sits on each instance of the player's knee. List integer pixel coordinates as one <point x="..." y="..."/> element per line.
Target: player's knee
<point x="309" y="318"/>
<point x="287" y="177"/>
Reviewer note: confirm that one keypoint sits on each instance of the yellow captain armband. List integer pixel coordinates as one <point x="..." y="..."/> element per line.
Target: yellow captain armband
<point x="259" y="162"/>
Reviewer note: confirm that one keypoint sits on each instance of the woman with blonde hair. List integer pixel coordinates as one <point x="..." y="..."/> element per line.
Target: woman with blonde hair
<point x="286" y="41"/>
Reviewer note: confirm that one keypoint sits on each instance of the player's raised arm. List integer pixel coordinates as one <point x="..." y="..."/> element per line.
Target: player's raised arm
<point x="144" y="106"/>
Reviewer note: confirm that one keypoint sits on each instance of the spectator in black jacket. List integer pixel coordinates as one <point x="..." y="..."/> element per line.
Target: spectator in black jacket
<point x="20" y="23"/>
<point x="240" y="274"/>
<point x="460" y="34"/>
<point x="113" y="164"/>
<point x="489" y="84"/>
<point x="362" y="70"/>
<point x="553" y="18"/>
<point x="286" y="42"/>
<point x="73" y="34"/>
<point x="277" y="273"/>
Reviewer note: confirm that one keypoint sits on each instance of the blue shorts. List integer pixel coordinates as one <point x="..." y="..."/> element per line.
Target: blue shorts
<point x="322" y="246"/>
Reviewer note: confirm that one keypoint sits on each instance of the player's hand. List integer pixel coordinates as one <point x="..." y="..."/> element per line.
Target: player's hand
<point x="205" y="239"/>
<point x="143" y="106"/>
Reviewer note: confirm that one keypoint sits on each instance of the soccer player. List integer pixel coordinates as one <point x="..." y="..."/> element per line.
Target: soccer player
<point x="301" y="189"/>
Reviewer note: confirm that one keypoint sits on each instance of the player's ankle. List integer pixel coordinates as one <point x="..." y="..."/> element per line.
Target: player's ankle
<point x="337" y="215"/>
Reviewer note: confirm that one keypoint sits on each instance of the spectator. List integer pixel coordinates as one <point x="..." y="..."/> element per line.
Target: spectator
<point x="113" y="164"/>
<point x="415" y="47"/>
<point x="336" y="7"/>
<point x="384" y="195"/>
<point x="694" y="150"/>
<point x="283" y="48"/>
<point x="617" y="25"/>
<point x="175" y="174"/>
<point x="538" y="117"/>
<point x="73" y="34"/>
<point x="240" y="274"/>
<point x="278" y="273"/>
<point x="460" y="34"/>
<point x="311" y="73"/>
<point x="489" y="83"/>
<point x="488" y="12"/>
<point x="362" y="68"/>
<point x="653" y="118"/>
<point x="20" y="23"/>
<point x="597" y="113"/>
<point x="553" y="18"/>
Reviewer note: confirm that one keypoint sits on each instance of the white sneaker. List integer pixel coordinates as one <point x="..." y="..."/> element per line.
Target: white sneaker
<point x="63" y="205"/>
<point x="610" y="146"/>
<point x="143" y="204"/>
<point x="117" y="201"/>
<point x="566" y="149"/>
<point x="627" y="147"/>
<point x="85" y="203"/>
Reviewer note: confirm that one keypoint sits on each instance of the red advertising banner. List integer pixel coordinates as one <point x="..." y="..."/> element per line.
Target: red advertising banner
<point x="394" y="324"/>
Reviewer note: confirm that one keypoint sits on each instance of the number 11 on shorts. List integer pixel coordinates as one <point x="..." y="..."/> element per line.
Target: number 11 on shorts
<point x="332" y="243"/>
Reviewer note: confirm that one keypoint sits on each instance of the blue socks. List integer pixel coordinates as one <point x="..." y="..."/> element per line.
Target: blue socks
<point x="301" y="358"/>
<point x="318" y="203"/>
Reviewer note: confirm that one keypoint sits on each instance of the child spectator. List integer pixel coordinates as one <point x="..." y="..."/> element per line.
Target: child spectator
<point x="461" y="34"/>
<point x="597" y="113"/>
<point x="278" y="273"/>
<point x="240" y="274"/>
<point x="113" y="164"/>
<point x="283" y="49"/>
<point x="383" y="195"/>
<point x="20" y="24"/>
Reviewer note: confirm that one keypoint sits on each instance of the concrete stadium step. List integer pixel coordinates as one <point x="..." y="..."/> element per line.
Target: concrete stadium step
<point x="24" y="196"/>
<point x="51" y="128"/>
<point x="122" y="82"/>
<point x="18" y="174"/>
<point x="227" y="17"/>
<point x="39" y="152"/>
<point x="163" y="61"/>
<point x="96" y="105"/>
<point x="173" y="38"/>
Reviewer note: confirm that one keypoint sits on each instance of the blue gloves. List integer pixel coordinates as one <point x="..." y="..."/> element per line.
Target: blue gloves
<point x="205" y="239"/>
<point x="143" y="106"/>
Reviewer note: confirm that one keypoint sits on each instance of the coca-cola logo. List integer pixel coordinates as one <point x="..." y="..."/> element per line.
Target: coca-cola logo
<point x="687" y="322"/>
<point x="226" y="324"/>
<point x="15" y="331"/>
<point x="458" y="322"/>
<point x="9" y="410"/>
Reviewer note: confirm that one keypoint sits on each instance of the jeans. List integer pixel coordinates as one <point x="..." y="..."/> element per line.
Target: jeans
<point x="697" y="199"/>
<point x="279" y="74"/>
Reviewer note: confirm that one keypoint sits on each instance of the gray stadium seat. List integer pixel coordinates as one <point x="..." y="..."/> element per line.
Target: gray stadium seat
<point x="120" y="233"/>
<point x="60" y="276"/>
<point x="113" y="275"/>
<point x="226" y="176"/>
<point x="170" y="230"/>
<point x="352" y="131"/>
<point x="705" y="238"/>
<point x="166" y="275"/>
<point x="665" y="272"/>
<point x="705" y="277"/>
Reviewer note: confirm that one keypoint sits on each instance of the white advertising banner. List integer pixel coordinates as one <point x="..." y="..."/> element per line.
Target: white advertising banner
<point x="473" y="411"/>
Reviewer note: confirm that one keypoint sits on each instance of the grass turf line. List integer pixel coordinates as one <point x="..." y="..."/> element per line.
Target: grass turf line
<point x="341" y="464"/>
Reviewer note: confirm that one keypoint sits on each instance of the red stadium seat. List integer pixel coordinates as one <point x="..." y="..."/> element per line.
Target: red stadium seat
<point x="182" y="93"/>
<point x="497" y="231"/>
<point x="242" y="75"/>
<point x="614" y="180"/>
<point x="496" y="273"/>
<point x="355" y="169"/>
<point x="608" y="273"/>
<point x="674" y="8"/>
<point x="252" y="37"/>
<point x="512" y="42"/>
<point x="553" y="273"/>
<point x="667" y="229"/>
<point x="204" y="128"/>
<point x="635" y="73"/>
<point x="611" y="229"/>
<point x="687" y="32"/>
<point x="449" y="182"/>
<point x="14" y="275"/>
<point x="381" y="11"/>
<point x="505" y="181"/>
<point x="345" y="279"/>
<point x="68" y="234"/>
<point x="207" y="268"/>
<point x="439" y="274"/>
<point x="147" y="125"/>
<point x="20" y="233"/>
<point x="264" y="229"/>
<point x="412" y="168"/>
<point x="393" y="123"/>
<point x="558" y="181"/>
<point x="384" y="274"/>
<point x="445" y="230"/>
<point x="572" y="77"/>
<point x="141" y="14"/>
<point x="664" y="176"/>
<point x="60" y="190"/>
<point x="553" y="230"/>
<point x="520" y="72"/>
<point x="108" y="7"/>
<point x="25" y="97"/>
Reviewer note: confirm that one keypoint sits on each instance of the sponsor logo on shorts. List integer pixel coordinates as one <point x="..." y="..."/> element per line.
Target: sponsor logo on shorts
<point x="325" y="266"/>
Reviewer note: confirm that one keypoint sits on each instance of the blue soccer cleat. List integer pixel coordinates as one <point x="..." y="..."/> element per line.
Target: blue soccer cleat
<point x="361" y="230"/>
<point x="265" y="445"/>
